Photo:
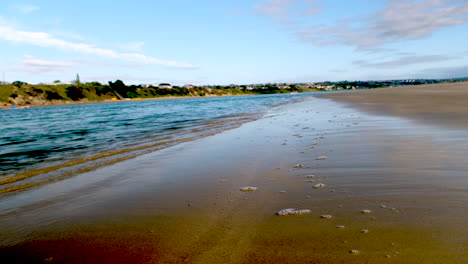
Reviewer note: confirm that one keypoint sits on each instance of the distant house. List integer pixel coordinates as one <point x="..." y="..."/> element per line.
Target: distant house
<point x="164" y="86"/>
<point x="58" y="83"/>
<point x="189" y="86"/>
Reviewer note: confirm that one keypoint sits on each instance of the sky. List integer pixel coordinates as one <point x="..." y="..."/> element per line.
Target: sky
<point x="207" y="42"/>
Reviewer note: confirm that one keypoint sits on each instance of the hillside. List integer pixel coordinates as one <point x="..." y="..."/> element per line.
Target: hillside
<point x="23" y="94"/>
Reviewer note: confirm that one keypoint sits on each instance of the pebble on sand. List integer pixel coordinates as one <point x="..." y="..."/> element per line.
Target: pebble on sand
<point x="293" y="211"/>
<point x="319" y="186"/>
<point x="249" y="189"/>
<point x="326" y="216"/>
<point x="366" y="211"/>
<point x="354" y="251"/>
<point x="321" y="158"/>
<point x="298" y="166"/>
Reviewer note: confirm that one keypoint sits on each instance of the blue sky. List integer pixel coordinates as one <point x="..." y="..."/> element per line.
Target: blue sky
<point x="232" y="41"/>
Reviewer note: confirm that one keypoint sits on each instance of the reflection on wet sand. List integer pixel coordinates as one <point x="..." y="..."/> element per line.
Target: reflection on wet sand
<point x="396" y="192"/>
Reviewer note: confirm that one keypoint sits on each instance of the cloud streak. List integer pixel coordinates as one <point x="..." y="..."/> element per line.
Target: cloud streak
<point x="25" y="9"/>
<point x="34" y="65"/>
<point x="400" y="20"/>
<point x="47" y="40"/>
<point x="283" y="11"/>
<point x="403" y="61"/>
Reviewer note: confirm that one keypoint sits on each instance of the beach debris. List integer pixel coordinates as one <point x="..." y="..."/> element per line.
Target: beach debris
<point x="298" y="166"/>
<point x="249" y="189"/>
<point x="366" y="211"/>
<point x="321" y="158"/>
<point x="326" y="216"/>
<point x="310" y="176"/>
<point x="340" y="226"/>
<point x="50" y="259"/>
<point x="365" y="231"/>
<point x="354" y="251"/>
<point x="293" y="211"/>
<point x="319" y="186"/>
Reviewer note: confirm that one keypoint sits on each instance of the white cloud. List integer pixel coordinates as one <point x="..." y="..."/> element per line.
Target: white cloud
<point x="25" y="9"/>
<point x="43" y="39"/>
<point x="133" y="46"/>
<point x="34" y="65"/>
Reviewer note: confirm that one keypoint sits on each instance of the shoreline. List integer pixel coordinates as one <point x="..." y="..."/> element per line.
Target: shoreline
<point x="183" y="204"/>
<point x="62" y="103"/>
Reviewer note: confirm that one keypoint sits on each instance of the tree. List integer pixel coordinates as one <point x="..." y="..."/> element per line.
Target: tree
<point x="77" y="80"/>
<point x="18" y="83"/>
<point x="75" y="93"/>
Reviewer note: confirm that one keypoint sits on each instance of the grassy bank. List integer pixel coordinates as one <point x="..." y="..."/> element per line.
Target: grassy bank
<point x="23" y="94"/>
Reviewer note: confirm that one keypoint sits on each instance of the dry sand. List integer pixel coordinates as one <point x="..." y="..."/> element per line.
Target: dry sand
<point x="183" y="204"/>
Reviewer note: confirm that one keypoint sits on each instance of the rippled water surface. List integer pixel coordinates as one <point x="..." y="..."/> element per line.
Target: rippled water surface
<point x="44" y="136"/>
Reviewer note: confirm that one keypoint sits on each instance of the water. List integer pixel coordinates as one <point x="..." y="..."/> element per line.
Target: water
<point x="40" y="137"/>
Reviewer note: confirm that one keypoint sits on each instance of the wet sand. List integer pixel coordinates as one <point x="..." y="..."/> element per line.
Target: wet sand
<point x="183" y="204"/>
<point x="439" y="104"/>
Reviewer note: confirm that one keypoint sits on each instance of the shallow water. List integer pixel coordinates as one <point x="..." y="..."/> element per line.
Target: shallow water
<point x="45" y="136"/>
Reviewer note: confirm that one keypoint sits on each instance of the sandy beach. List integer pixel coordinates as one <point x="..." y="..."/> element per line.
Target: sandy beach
<point x="393" y="163"/>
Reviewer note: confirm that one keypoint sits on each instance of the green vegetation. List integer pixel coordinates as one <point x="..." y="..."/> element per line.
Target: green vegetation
<point x="21" y="93"/>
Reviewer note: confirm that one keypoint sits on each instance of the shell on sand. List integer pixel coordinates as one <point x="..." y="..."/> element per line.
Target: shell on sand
<point x="326" y="216"/>
<point x="321" y="158"/>
<point x="249" y="189"/>
<point x="298" y="166"/>
<point x="354" y="251"/>
<point x="365" y="231"/>
<point x="366" y="211"/>
<point x="293" y="211"/>
<point x="319" y="186"/>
